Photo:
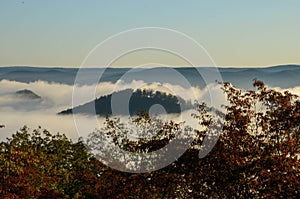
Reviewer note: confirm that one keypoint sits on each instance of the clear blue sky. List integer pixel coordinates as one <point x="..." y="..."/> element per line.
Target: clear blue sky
<point x="234" y="32"/>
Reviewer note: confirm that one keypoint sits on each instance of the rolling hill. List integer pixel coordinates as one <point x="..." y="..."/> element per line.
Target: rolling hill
<point x="138" y="100"/>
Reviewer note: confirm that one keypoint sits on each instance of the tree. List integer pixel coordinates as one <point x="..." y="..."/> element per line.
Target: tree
<point x="256" y="154"/>
<point x="258" y="150"/>
<point x="37" y="164"/>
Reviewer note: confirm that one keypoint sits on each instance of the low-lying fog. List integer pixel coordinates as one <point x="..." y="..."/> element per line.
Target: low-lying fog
<point x="16" y="112"/>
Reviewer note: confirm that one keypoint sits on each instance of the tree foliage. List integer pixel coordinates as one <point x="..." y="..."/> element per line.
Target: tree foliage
<point x="38" y="164"/>
<point x="256" y="155"/>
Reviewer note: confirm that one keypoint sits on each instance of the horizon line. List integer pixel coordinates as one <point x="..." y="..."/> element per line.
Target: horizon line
<point x="162" y="66"/>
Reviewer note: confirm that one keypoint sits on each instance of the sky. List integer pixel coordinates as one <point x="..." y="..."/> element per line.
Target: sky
<point x="234" y="32"/>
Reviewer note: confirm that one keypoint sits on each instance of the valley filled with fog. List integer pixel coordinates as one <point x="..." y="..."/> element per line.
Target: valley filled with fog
<point x="51" y="96"/>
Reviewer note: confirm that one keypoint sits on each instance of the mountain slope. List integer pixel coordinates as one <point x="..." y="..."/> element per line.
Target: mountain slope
<point x="138" y="100"/>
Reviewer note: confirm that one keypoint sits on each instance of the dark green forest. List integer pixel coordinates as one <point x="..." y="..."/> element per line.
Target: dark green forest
<point x="256" y="155"/>
<point x="139" y="100"/>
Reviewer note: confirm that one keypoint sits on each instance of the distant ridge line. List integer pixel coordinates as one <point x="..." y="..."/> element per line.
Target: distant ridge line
<point x="175" y="67"/>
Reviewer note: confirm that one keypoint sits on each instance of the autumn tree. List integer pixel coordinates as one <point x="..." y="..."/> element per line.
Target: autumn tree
<point x="256" y="154"/>
<point x="37" y="164"/>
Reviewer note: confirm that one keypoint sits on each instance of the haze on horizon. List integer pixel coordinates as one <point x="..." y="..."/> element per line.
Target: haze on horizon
<point x="235" y="33"/>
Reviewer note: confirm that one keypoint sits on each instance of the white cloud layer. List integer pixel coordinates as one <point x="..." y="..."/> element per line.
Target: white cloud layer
<point x="15" y="112"/>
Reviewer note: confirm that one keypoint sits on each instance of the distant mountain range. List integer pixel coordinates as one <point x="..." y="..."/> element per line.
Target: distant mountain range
<point x="284" y="76"/>
<point x="139" y="100"/>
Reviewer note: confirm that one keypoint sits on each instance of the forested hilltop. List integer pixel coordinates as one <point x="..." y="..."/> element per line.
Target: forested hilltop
<point x="139" y="100"/>
<point x="256" y="155"/>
